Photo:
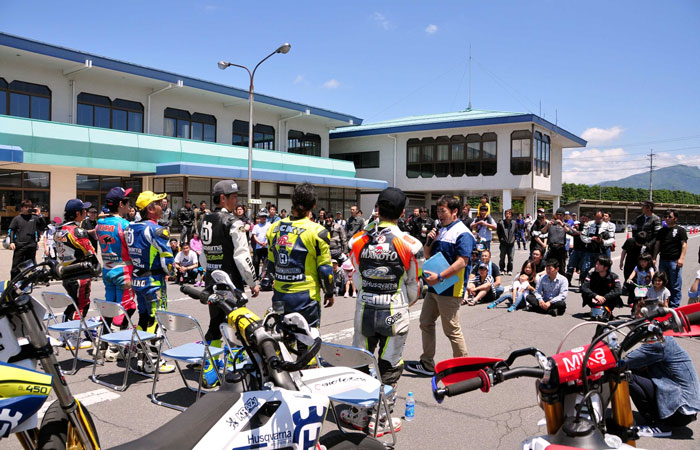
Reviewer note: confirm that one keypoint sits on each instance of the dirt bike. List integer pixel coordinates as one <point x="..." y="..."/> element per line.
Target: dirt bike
<point x="264" y="403"/>
<point x="574" y="387"/>
<point x="23" y="390"/>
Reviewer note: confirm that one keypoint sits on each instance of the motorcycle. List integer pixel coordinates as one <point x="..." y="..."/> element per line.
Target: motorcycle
<point x="574" y="387"/>
<point x="23" y="390"/>
<point x="265" y="402"/>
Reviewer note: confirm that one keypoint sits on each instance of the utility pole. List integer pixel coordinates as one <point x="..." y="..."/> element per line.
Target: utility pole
<point x="651" y="172"/>
<point x="469" y="107"/>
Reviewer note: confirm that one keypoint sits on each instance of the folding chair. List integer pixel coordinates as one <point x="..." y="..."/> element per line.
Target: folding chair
<point x="125" y="339"/>
<point x="375" y="392"/>
<point x="190" y="353"/>
<point x="77" y="327"/>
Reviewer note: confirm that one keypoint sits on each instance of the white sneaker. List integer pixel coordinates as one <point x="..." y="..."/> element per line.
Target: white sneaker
<point x="147" y="366"/>
<point x="111" y="355"/>
<point x="346" y="295"/>
<point x="354" y="294"/>
<point x="358" y="418"/>
<point x="654" y="431"/>
<point x="384" y="427"/>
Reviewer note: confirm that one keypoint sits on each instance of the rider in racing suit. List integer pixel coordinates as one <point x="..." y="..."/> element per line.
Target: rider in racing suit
<point x="117" y="269"/>
<point x="225" y="246"/>
<point x="151" y="259"/>
<point x="299" y="259"/>
<point x="386" y="276"/>
<point x="73" y="246"/>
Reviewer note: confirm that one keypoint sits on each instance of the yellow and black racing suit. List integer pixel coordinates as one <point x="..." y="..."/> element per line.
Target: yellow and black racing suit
<point x="386" y="278"/>
<point x="299" y="260"/>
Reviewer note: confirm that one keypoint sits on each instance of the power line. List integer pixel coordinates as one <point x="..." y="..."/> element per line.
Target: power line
<point x="644" y="158"/>
<point x="639" y="144"/>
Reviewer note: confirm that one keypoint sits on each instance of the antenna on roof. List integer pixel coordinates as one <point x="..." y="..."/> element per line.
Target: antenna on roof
<point x="469" y="107"/>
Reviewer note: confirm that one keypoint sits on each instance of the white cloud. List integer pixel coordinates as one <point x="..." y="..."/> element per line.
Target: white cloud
<point x="298" y="79"/>
<point x="382" y="21"/>
<point x="591" y="165"/>
<point x="597" y="136"/>
<point x="431" y="29"/>
<point x="331" y="84"/>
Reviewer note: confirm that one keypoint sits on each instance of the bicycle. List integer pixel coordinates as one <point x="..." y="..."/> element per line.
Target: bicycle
<point x="575" y="387"/>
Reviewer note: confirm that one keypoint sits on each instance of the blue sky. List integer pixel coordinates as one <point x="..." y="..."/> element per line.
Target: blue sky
<point x="623" y="74"/>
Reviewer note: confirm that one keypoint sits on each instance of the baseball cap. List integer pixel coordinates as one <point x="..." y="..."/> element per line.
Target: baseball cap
<point x="567" y="212"/>
<point x="148" y="197"/>
<point x="116" y="194"/>
<point x="393" y="199"/>
<point x="76" y="204"/>
<point x="541" y="210"/>
<point x="561" y="211"/>
<point x="334" y="261"/>
<point x="263" y="212"/>
<point x="483" y="266"/>
<point x="225" y="187"/>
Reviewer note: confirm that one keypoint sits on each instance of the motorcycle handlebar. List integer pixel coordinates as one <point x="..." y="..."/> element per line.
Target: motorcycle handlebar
<point x="197" y="294"/>
<point x="462" y="387"/>
<point x="77" y="270"/>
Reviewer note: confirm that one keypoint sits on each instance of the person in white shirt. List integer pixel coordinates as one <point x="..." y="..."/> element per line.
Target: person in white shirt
<point x="186" y="263"/>
<point x="259" y="240"/>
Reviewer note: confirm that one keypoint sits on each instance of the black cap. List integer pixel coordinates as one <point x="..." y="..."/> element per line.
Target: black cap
<point x="561" y="211"/>
<point x="648" y="203"/>
<point x="393" y="199"/>
<point x="116" y="194"/>
<point x="225" y="187"/>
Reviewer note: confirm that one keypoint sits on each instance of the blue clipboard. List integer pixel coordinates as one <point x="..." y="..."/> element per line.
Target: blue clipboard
<point x="436" y="264"/>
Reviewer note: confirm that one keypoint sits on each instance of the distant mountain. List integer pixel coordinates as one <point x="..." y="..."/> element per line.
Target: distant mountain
<point x="674" y="178"/>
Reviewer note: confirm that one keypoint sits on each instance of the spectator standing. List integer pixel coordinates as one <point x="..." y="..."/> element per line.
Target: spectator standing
<point x="528" y="225"/>
<point x="506" y="230"/>
<point x="355" y="222"/>
<point x="283" y="214"/>
<point x="601" y="290"/>
<point x="552" y="290"/>
<point x="578" y="254"/>
<point x="186" y="263"/>
<point x="185" y="216"/>
<point x="272" y="217"/>
<point x="339" y="219"/>
<point x="483" y="225"/>
<point x="609" y="227"/>
<point x="597" y="239"/>
<point x="520" y="232"/>
<point x="199" y="214"/>
<point x="631" y="251"/>
<point x="537" y="238"/>
<point x="24" y="231"/>
<point x="455" y="242"/>
<point x="671" y="245"/>
<point x="466" y="218"/>
<point x="167" y="219"/>
<point x="422" y="225"/>
<point x="649" y="222"/>
<point x="259" y="240"/>
<point x="89" y="224"/>
<point x="556" y="230"/>
<point x="133" y="215"/>
<point x="339" y="280"/>
<point x="338" y="239"/>
<point x="49" y="243"/>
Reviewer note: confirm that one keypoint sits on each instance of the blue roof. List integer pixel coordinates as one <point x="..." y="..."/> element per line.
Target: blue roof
<point x="11" y="153"/>
<point x="279" y="176"/>
<point x="55" y="51"/>
<point x="459" y="119"/>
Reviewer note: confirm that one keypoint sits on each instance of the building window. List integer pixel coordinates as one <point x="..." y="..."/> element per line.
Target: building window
<point x="452" y="156"/>
<point x="23" y="99"/>
<point x="303" y="143"/>
<point x="182" y="124"/>
<point x="94" y="188"/>
<point x="100" y="111"/>
<point x="263" y="135"/>
<point x="362" y="160"/>
<point x="520" y="161"/>
<point x="542" y="154"/>
<point x="127" y="115"/>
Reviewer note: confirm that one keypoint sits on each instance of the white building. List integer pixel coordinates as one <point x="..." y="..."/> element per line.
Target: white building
<point x="74" y="124"/>
<point x="467" y="153"/>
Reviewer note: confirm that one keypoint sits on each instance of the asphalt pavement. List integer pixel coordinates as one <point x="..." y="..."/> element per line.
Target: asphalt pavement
<point x="500" y="419"/>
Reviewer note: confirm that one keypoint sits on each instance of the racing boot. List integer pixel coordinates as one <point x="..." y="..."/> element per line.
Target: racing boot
<point x="210" y="375"/>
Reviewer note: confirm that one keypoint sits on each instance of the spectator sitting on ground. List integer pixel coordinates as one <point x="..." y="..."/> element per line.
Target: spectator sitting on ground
<point x="481" y="287"/>
<point x="494" y="272"/>
<point x="601" y="290"/>
<point x="186" y="263"/>
<point x="525" y="284"/>
<point x="349" y="270"/>
<point x="642" y="274"/>
<point x="552" y="290"/>
<point x="196" y="243"/>
<point x="694" y="292"/>
<point x="174" y="246"/>
<point x="537" y="259"/>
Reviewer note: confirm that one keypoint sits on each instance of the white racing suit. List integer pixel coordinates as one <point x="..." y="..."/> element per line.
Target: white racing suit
<point x="386" y="278"/>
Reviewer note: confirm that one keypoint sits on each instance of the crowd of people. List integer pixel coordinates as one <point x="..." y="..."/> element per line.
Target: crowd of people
<point x="308" y="258"/>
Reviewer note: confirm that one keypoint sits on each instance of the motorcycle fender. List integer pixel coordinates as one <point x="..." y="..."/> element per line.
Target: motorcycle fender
<point x="22" y="393"/>
<point x="272" y="419"/>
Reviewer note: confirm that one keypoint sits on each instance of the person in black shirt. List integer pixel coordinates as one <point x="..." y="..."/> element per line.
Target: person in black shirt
<point x="579" y="251"/>
<point x="538" y="261"/>
<point x="631" y="250"/>
<point x="89" y="224"/>
<point x="506" y="230"/>
<point x="465" y="216"/>
<point x="166" y="220"/>
<point x="602" y="289"/>
<point x="422" y="225"/>
<point x="649" y="222"/>
<point x="671" y="245"/>
<point x="556" y="230"/>
<point x="536" y="239"/>
<point x="185" y="216"/>
<point x="354" y="223"/>
<point x="24" y="232"/>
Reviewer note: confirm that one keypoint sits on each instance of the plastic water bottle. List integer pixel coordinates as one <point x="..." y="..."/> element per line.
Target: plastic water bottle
<point x="410" y="413"/>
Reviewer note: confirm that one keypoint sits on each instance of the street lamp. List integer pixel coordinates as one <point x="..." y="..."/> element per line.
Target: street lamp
<point x="284" y="48"/>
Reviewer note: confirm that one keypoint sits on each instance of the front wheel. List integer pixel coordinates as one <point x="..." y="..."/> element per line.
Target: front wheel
<point x="53" y="434"/>
<point x="337" y="440"/>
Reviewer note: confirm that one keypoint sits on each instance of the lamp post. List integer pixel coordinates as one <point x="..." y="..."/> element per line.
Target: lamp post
<point x="284" y="48"/>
